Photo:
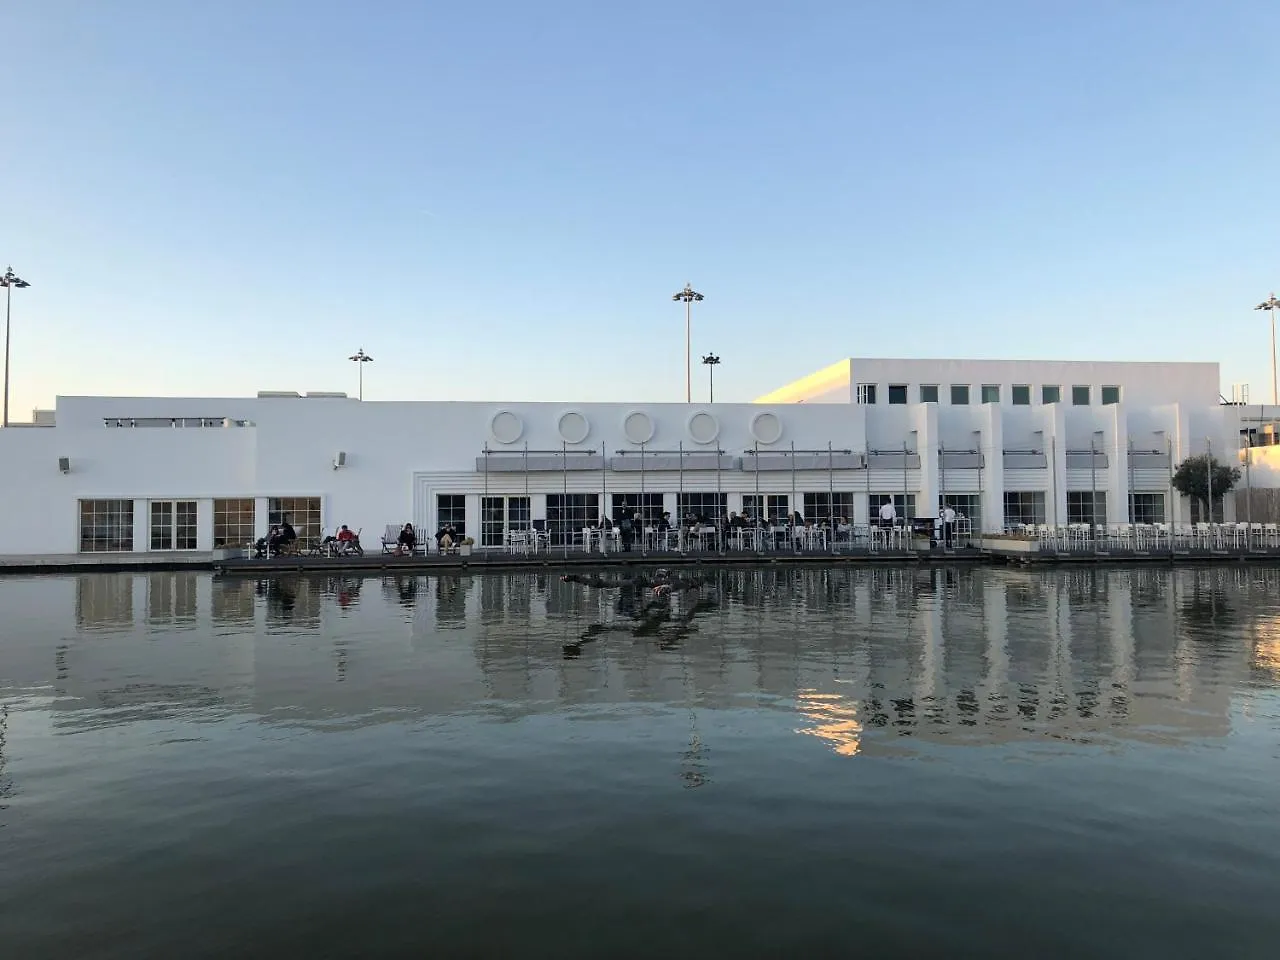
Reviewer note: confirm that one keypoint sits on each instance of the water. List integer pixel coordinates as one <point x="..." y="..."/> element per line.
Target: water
<point x="941" y="762"/>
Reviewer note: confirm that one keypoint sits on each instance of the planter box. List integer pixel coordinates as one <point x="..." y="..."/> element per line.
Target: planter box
<point x="464" y="550"/>
<point x="229" y="553"/>
<point x="1021" y="545"/>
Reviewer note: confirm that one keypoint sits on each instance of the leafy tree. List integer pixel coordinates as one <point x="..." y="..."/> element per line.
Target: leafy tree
<point x="1192" y="479"/>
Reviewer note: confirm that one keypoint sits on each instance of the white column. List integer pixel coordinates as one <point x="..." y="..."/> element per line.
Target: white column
<point x="204" y="525"/>
<point x="1117" y="443"/>
<point x="261" y="526"/>
<point x="141" y="526"/>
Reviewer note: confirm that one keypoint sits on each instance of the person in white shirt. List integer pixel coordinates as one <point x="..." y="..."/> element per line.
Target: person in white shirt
<point x="888" y="514"/>
<point x="948" y="526"/>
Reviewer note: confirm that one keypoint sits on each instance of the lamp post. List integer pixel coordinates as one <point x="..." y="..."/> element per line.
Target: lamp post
<point x="689" y="296"/>
<point x="711" y="361"/>
<point x="8" y="281"/>
<point x="1271" y="305"/>
<point x="1093" y="487"/>
<point x="360" y="358"/>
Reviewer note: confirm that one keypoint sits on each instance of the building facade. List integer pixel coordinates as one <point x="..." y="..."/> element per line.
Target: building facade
<point x="1001" y="441"/>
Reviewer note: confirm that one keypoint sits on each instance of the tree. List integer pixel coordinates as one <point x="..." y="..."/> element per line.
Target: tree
<point x="1192" y="479"/>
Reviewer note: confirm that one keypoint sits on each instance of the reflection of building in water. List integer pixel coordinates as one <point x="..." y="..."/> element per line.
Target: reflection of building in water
<point x="104" y="600"/>
<point x="862" y="655"/>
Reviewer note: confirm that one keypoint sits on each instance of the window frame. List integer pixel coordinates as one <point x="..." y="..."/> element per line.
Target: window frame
<point x="1013" y="395"/>
<point x="451" y="510"/>
<point x="115" y="517"/>
<point x="929" y="387"/>
<point x="953" y="394"/>
<point x="1141" y="503"/>
<point x="1044" y="393"/>
<point x="867" y="394"/>
<point x="230" y="526"/>
<point x="567" y="516"/>
<point x="1075" y="395"/>
<point x="172" y="525"/>
<point x="1025" y="503"/>
<point x="774" y="507"/>
<point x="818" y="505"/>
<point x="982" y="392"/>
<point x="1080" y="507"/>
<point x="903" y="389"/>
<point x="1102" y="392"/>
<point x="304" y="513"/>
<point x="502" y="514"/>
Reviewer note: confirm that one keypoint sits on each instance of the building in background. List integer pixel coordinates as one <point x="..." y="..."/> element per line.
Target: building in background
<point x="1002" y="442"/>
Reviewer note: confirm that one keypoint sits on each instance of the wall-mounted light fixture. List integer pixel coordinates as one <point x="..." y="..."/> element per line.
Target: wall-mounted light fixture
<point x="339" y="459"/>
<point x="64" y="464"/>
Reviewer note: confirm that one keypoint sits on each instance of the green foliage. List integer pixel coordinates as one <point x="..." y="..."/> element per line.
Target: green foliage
<point x="1192" y="479"/>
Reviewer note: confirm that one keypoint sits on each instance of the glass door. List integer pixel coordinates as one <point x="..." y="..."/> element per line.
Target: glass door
<point x="173" y="525"/>
<point x="501" y="515"/>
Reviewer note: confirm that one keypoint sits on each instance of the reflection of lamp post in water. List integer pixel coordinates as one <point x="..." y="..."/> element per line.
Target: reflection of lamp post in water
<point x="361" y="358"/>
<point x="710" y="361"/>
<point x="689" y="296"/>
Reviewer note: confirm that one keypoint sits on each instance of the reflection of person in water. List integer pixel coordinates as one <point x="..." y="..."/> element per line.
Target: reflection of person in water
<point x="646" y="604"/>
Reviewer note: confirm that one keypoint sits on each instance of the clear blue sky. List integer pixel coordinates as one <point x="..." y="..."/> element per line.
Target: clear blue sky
<point x="497" y="199"/>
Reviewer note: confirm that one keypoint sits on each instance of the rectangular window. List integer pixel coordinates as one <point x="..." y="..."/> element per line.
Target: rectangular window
<point x="451" y="511"/>
<point x="707" y="507"/>
<point x="775" y="508"/>
<point x="990" y="393"/>
<point x="233" y="522"/>
<point x="898" y="393"/>
<point x="1079" y="396"/>
<point x="959" y="394"/>
<point x="866" y="393"/>
<point x="1020" y="394"/>
<point x="878" y="500"/>
<point x="1023" y="506"/>
<point x="568" y="513"/>
<point x="968" y="506"/>
<point x="173" y="525"/>
<point x="928" y="393"/>
<point x="649" y="505"/>
<point x="1197" y="510"/>
<point x="106" y="526"/>
<point x="1110" y="395"/>
<point x="1146" y="508"/>
<point x="818" y="506"/>
<point x="302" y="512"/>
<point x="500" y="516"/>
<point x="1080" y="506"/>
<point x="1050" y="394"/>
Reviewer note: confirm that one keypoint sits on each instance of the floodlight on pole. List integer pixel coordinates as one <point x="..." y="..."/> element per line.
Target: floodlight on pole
<point x="9" y="281"/>
<point x="689" y="296"/>
<point x="360" y="358"/>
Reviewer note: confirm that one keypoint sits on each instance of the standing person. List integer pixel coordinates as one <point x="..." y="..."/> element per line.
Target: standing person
<point x="888" y="514"/>
<point x="948" y="526"/>
<point x="626" y="530"/>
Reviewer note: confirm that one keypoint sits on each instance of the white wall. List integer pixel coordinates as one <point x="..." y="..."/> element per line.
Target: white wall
<point x="398" y="454"/>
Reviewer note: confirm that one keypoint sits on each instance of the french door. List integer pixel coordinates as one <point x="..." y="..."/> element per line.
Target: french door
<point x="173" y="524"/>
<point x="501" y="515"/>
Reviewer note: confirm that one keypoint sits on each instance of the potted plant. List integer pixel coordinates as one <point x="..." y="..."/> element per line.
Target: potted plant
<point x="464" y="548"/>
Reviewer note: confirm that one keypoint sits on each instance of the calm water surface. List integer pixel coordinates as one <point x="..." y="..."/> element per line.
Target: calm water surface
<point x="847" y="761"/>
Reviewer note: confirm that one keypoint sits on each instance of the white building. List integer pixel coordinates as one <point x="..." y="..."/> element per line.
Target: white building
<point x="1001" y="440"/>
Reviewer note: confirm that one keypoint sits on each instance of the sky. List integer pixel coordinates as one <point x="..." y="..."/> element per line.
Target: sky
<point x="497" y="200"/>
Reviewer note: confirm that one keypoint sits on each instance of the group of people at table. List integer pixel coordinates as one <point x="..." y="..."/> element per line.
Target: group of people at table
<point x="740" y="529"/>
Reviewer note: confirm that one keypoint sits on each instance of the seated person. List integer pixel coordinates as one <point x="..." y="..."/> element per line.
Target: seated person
<point x="288" y="537"/>
<point x="349" y="541"/>
<point x="265" y="544"/>
<point x="407" y="541"/>
<point x="273" y="541"/>
<point x="446" y="537"/>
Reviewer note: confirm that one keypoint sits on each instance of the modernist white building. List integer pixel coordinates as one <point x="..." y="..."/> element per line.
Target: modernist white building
<point x="1002" y="441"/>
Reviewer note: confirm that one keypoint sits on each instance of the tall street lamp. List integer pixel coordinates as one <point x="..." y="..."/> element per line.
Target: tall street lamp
<point x="688" y="295"/>
<point x="361" y="358"/>
<point x="711" y="361"/>
<point x="8" y="281"/>
<point x="1271" y="305"/>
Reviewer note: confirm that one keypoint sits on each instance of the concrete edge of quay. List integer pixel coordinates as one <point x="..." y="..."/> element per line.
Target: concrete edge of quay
<point x="480" y="563"/>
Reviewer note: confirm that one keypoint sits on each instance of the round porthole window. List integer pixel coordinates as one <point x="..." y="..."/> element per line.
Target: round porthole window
<point x="506" y="427"/>
<point x="766" y="427"/>
<point x="638" y="427"/>
<point x="573" y="427"/>
<point x="703" y="427"/>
